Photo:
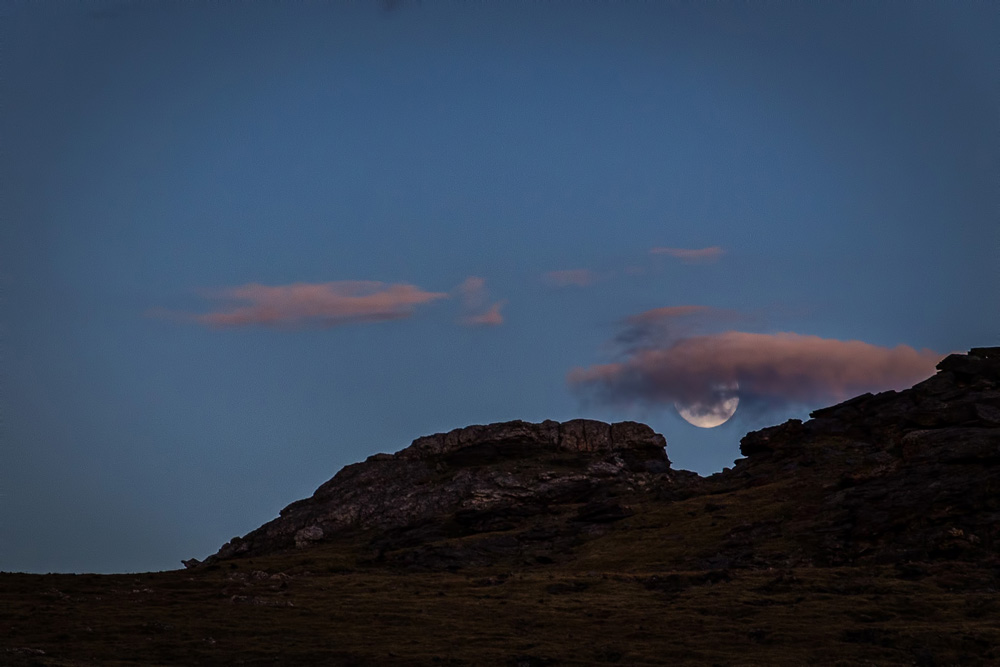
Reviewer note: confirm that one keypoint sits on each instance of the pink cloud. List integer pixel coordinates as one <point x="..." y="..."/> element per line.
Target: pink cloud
<point x="474" y="295"/>
<point x="772" y="369"/>
<point x="317" y="304"/>
<point x="472" y="290"/>
<point x="691" y="255"/>
<point x="570" y="278"/>
<point x="491" y="318"/>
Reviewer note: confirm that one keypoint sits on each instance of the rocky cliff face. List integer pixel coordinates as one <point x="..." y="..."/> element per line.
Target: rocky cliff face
<point x="963" y="395"/>
<point x="479" y="476"/>
<point x="897" y="477"/>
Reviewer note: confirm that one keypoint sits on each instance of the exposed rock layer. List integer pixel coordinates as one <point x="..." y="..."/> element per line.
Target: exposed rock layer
<point x="578" y="435"/>
<point x="517" y="468"/>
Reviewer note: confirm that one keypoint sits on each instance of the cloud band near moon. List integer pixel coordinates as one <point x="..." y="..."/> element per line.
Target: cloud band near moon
<point x="773" y="370"/>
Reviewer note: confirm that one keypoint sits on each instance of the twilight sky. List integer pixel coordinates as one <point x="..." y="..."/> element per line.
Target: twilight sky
<point x="246" y="244"/>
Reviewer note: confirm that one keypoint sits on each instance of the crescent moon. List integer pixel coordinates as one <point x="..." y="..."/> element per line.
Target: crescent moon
<point x="710" y="415"/>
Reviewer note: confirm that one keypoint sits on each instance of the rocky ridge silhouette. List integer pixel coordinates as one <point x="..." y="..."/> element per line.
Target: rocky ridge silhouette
<point x="886" y="478"/>
<point x="478" y="478"/>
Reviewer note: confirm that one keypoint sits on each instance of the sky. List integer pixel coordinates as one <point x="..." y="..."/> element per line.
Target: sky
<point x="246" y="244"/>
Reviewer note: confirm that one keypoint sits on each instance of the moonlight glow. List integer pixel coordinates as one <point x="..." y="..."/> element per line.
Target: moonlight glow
<point x="714" y="413"/>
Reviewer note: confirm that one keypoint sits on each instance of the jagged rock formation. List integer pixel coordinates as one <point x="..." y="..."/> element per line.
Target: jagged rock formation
<point x="897" y="476"/>
<point x="478" y="477"/>
<point x="909" y="476"/>
<point x="964" y="394"/>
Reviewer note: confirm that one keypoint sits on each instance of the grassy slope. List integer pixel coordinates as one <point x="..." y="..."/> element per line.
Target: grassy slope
<point x="634" y="595"/>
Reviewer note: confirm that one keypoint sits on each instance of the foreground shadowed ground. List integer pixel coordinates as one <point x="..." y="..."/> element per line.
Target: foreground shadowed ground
<point x="543" y="615"/>
<point x="868" y="535"/>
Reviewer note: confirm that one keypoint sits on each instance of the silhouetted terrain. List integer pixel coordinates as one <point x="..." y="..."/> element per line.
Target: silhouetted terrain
<point x="866" y="535"/>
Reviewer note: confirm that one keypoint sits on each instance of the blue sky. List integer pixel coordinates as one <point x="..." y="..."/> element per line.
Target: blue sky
<point x="244" y="245"/>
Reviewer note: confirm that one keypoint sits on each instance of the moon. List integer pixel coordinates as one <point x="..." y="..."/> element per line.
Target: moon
<point x="711" y="414"/>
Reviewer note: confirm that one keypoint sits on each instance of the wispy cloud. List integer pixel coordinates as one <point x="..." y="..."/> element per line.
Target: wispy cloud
<point x="772" y="370"/>
<point x="667" y="313"/>
<point x="474" y="296"/>
<point x="472" y="292"/>
<point x="315" y="304"/>
<point x="570" y="278"/>
<point x="491" y="318"/>
<point x="655" y="327"/>
<point x="691" y="255"/>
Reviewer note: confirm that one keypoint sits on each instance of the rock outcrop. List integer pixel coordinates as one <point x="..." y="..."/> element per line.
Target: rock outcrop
<point x="896" y="477"/>
<point x="578" y="435"/>
<point x="470" y="478"/>
<point x="899" y="476"/>
<point x="965" y="393"/>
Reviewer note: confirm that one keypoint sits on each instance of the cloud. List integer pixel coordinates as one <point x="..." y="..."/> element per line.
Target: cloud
<point x="659" y="315"/>
<point x="651" y="328"/>
<point x="472" y="292"/>
<point x="491" y="318"/>
<point x="316" y="304"/>
<point x="474" y="296"/>
<point x="773" y="370"/>
<point x="691" y="255"/>
<point x="570" y="278"/>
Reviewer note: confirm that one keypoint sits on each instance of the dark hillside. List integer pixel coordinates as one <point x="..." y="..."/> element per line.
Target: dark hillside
<point x="869" y="534"/>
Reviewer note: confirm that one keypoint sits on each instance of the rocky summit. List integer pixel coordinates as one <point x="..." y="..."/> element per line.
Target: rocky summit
<point x="868" y="534"/>
<point x="477" y="478"/>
